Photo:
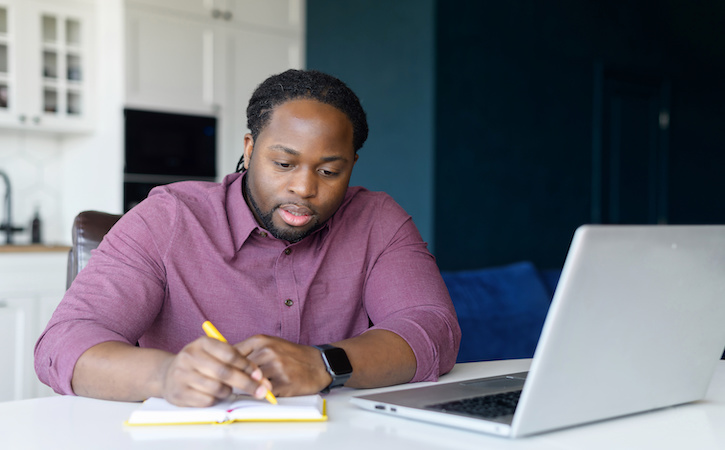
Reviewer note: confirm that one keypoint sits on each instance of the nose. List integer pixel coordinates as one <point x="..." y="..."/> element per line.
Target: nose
<point x="303" y="183"/>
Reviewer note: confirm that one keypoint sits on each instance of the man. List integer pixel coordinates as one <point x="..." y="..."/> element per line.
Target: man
<point x="282" y="257"/>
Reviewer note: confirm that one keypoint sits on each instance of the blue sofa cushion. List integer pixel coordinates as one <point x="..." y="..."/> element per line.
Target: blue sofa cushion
<point x="550" y="277"/>
<point x="501" y="310"/>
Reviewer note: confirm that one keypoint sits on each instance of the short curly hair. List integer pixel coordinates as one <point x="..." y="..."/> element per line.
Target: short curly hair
<point x="304" y="84"/>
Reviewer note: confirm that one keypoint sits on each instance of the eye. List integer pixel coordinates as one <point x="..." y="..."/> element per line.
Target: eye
<point x="328" y="173"/>
<point x="282" y="165"/>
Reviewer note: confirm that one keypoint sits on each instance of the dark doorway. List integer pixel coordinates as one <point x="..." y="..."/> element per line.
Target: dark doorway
<point x="631" y="162"/>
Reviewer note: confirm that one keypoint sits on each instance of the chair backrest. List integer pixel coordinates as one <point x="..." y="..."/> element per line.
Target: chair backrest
<point x="89" y="227"/>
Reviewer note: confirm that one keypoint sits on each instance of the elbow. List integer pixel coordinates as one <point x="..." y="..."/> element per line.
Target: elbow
<point x="450" y="354"/>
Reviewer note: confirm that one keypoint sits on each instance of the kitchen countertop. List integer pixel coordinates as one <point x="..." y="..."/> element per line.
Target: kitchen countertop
<point x="33" y="248"/>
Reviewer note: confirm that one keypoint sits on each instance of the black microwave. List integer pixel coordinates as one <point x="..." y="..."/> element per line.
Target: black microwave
<point x="162" y="148"/>
<point x="169" y="144"/>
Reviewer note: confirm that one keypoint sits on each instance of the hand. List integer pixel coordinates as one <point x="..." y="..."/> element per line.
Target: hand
<point x="292" y="369"/>
<point x="207" y="370"/>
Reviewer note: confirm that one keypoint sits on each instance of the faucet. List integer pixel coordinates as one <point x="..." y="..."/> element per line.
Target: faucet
<point x="8" y="227"/>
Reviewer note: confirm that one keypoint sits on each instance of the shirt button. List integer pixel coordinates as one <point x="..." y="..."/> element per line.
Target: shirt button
<point x="263" y="233"/>
<point x="289" y="302"/>
<point x="287" y="251"/>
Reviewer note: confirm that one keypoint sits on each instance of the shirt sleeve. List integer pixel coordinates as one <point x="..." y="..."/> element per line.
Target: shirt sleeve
<point x="405" y="294"/>
<point x="115" y="297"/>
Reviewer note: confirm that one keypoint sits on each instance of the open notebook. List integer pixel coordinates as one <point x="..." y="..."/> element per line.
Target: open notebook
<point x="238" y="408"/>
<point x="637" y="323"/>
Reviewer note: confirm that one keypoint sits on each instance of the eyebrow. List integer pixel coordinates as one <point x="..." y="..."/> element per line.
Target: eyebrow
<point x="294" y="152"/>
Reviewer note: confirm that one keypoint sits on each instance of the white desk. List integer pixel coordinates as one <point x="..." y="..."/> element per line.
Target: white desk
<point x="81" y="423"/>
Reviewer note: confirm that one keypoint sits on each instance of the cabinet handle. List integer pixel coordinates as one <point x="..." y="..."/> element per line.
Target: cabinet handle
<point x="36" y="120"/>
<point x="22" y="118"/>
<point x="227" y="15"/>
<point x="216" y="13"/>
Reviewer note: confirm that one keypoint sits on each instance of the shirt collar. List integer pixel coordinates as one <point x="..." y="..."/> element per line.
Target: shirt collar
<point x="241" y="219"/>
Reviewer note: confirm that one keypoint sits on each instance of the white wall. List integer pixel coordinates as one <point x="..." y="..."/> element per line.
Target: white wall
<point x="65" y="174"/>
<point x="32" y="163"/>
<point x="93" y="165"/>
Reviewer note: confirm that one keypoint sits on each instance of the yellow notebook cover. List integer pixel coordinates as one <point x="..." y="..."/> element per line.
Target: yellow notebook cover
<point x="238" y="408"/>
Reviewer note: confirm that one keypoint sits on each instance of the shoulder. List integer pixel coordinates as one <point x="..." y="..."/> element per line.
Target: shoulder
<point x="195" y="197"/>
<point x="168" y="205"/>
<point x="360" y="200"/>
<point x="191" y="193"/>
<point x="363" y="210"/>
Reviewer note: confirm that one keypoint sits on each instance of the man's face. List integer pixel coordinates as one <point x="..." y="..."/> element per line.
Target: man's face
<point x="299" y="168"/>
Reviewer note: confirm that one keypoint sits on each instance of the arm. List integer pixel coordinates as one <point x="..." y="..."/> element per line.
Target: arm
<point x="88" y="346"/>
<point x="378" y="358"/>
<point x="113" y="300"/>
<point x="204" y="372"/>
<point x="405" y="294"/>
<point x="115" y="370"/>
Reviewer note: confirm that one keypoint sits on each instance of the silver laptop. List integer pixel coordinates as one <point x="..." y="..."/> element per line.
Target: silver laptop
<point x="637" y="323"/>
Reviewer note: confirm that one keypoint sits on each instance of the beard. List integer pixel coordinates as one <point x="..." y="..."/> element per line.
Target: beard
<point x="290" y="234"/>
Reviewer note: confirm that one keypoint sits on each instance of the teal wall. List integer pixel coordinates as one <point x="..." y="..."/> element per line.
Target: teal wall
<point x="502" y="126"/>
<point x="384" y="50"/>
<point x="548" y="118"/>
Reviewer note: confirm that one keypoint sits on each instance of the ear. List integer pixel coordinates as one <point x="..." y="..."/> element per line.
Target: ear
<point x="355" y="160"/>
<point x="248" y="148"/>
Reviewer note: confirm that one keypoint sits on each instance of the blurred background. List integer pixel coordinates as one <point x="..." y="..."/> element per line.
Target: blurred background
<point x="499" y="126"/>
<point x="502" y="126"/>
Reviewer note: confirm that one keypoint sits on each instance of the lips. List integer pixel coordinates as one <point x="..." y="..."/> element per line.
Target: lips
<point x="295" y="215"/>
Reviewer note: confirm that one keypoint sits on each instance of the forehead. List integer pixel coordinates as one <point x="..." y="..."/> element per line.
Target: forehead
<point x="304" y="120"/>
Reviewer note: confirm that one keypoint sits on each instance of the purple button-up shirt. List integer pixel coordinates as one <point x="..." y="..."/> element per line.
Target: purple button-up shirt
<point x="193" y="251"/>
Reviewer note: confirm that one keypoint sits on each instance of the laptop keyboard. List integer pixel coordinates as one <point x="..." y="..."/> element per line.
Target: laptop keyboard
<point x="486" y="406"/>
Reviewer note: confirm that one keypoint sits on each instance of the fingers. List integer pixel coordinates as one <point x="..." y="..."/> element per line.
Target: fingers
<point x="208" y="370"/>
<point x="223" y="361"/>
<point x="294" y="369"/>
<point x="236" y="371"/>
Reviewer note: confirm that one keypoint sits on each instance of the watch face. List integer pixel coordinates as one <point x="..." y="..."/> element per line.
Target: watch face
<point x="337" y="359"/>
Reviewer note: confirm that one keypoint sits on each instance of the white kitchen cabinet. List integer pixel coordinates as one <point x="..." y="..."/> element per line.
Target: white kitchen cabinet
<point x="170" y="62"/>
<point x="45" y="65"/>
<point x="282" y="15"/>
<point x="12" y="333"/>
<point x="203" y="9"/>
<point x="207" y="56"/>
<point x="31" y="286"/>
<point x="178" y="53"/>
<point x="286" y="16"/>
<point x="252" y="57"/>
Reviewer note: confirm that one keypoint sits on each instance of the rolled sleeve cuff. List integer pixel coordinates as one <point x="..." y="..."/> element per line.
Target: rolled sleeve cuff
<point x="433" y="359"/>
<point x="57" y="358"/>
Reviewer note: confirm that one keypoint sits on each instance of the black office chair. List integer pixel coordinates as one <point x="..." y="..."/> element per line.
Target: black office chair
<point x="89" y="227"/>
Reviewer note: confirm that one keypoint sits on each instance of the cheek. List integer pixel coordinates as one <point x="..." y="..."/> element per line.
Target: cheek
<point x="260" y="191"/>
<point x="334" y="198"/>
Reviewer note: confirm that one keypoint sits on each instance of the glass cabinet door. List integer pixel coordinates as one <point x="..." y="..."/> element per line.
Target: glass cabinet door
<point x="73" y="67"/>
<point x="4" y="60"/>
<point x="44" y="56"/>
<point x="49" y="61"/>
<point x="62" y="65"/>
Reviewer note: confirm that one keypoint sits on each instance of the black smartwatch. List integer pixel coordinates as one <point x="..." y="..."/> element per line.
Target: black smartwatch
<point x="337" y="365"/>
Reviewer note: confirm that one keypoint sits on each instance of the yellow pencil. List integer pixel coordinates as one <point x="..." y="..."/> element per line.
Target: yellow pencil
<point x="212" y="332"/>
